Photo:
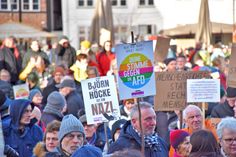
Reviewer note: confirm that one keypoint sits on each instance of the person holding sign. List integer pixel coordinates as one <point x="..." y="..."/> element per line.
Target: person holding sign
<point x="130" y="136"/>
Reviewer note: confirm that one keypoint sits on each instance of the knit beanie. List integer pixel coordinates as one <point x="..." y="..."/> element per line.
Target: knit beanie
<point x="177" y="137"/>
<point x="87" y="150"/>
<point x="33" y="92"/>
<point x="56" y="100"/>
<point x="231" y="92"/>
<point x="70" y="124"/>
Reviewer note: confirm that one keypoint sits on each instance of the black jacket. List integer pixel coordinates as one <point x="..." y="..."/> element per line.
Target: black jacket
<point x="222" y="110"/>
<point x="129" y="139"/>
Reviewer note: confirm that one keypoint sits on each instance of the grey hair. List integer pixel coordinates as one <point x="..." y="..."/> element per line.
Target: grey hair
<point x="190" y="108"/>
<point x="226" y="123"/>
<point x="143" y="105"/>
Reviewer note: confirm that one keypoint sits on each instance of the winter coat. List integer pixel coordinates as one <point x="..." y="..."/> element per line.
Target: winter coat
<point x="40" y="150"/>
<point x="99" y="138"/>
<point x="74" y="103"/>
<point x="48" y="117"/>
<point x="22" y="141"/>
<point x="129" y="139"/>
<point x="66" y="56"/>
<point x="48" y="90"/>
<point x="9" y="62"/>
<point x="104" y="62"/>
<point x="222" y="110"/>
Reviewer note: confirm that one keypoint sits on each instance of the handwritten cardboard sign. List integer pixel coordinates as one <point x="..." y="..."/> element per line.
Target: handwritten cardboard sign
<point x="171" y="89"/>
<point x="231" y="79"/>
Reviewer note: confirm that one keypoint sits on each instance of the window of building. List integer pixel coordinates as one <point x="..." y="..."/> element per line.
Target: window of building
<point x="8" y="5"/>
<point x="146" y="29"/>
<point x="123" y="2"/>
<point x="85" y="3"/>
<point x="114" y="2"/>
<point x="120" y="3"/>
<point x="31" y="5"/>
<point x="146" y="2"/>
<point x="83" y="33"/>
<point x="4" y="4"/>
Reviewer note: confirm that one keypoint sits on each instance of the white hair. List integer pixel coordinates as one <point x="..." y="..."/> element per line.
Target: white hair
<point x="226" y="123"/>
<point x="190" y="108"/>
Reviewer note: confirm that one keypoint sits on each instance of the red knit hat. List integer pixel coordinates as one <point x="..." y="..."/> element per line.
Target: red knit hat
<point x="59" y="69"/>
<point x="177" y="137"/>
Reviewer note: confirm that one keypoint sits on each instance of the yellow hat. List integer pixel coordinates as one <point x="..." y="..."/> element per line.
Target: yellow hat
<point x="85" y="44"/>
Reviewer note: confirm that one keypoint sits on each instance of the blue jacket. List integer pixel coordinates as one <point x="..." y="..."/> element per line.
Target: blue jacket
<point x="22" y="142"/>
<point x="129" y="139"/>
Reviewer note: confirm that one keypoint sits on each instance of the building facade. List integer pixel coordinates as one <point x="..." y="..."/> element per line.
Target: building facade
<point x="41" y="14"/>
<point x="144" y="17"/>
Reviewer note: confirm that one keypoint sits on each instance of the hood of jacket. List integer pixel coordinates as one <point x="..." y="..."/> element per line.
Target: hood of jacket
<point x="40" y="150"/>
<point x="17" y="109"/>
<point x="128" y="132"/>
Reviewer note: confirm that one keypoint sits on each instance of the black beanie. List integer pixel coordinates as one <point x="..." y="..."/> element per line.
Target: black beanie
<point x="231" y="92"/>
<point x="117" y="125"/>
<point x="168" y="60"/>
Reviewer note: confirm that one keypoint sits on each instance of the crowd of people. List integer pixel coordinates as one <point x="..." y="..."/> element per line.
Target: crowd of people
<point x="52" y="121"/>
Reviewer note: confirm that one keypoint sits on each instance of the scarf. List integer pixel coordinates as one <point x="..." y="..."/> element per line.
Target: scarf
<point x="151" y="141"/>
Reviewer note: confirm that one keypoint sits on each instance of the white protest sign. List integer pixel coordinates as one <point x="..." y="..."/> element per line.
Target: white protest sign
<point x="203" y="90"/>
<point x="100" y="99"/>
<point x="21" y="91"/>
<point x="136" y="76"/>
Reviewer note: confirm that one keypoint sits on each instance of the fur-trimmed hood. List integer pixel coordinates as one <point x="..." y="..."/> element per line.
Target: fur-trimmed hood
<point x="40" y="150"/>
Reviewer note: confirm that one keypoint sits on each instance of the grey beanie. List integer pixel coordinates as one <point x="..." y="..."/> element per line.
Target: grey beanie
<point x="70" y="124"/>
<point x="56" y="100"/>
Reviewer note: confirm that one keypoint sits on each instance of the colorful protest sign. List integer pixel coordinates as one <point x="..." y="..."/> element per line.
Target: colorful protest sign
<point x="135" y="65"/>
<point x="171" y="89"/>
<point x="21" y="91"/>
<point x="203" y="90"/>
<point x="231" y="79"/>
<point x="100" y="99"/>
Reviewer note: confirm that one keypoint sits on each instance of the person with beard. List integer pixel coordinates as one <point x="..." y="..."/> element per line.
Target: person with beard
<point x="130" y="136"/>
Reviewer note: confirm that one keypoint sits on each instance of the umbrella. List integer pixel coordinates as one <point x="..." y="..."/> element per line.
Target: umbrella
<point x="203" y="33"/>
<point x="102" y="23"/>
<point x="19" y="30"/>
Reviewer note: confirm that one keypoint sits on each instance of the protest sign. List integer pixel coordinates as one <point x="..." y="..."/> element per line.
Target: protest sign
<point x="161" y="50"/>
<point x="21" y="91"/>
<point x="135" y="65"/>
<point x="231" y="79"/>
<point x="203" y="90"/>
<point x="100" y="99"/>
<point x="171" y="89"/>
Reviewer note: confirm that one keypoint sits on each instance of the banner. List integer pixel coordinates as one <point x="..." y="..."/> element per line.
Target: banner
<point x="171" y="89"/>
<point x="135" y="70"/>
<point x="100" y="99"/>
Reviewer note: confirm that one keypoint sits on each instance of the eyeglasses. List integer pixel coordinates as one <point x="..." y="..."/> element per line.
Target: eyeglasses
<point x="71" y="136"/>
<point x="230" y="140"/>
